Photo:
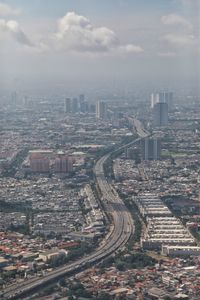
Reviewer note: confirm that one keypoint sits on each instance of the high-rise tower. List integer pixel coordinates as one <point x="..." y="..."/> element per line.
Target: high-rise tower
<point x="101" y="110"/>
<point x="160" y="114"/>
<point x="67" y="105"/>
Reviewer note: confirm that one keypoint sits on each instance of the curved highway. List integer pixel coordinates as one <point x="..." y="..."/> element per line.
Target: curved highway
<point x="141" y="131"/>
<point x="120" y="233"/>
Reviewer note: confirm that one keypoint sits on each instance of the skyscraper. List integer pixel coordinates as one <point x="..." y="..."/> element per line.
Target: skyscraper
<point x="162" y="97"/>
<point x="154" y="99"/>
<point x="160" y="114"/>
<point x="74" y="105"/>
<point x="82" y="103"/>
<point x="169" y="100"/>
<point x="67" y="105"/>
<point x="151" y="148"/>
<point x="101" y="110"/>
<point x="92" y="108"/>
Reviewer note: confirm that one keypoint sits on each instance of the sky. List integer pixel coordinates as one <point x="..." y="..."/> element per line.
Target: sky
<point x="88" y="44"/>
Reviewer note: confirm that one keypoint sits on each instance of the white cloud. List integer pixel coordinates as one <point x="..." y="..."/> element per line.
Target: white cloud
<point x="180" y="40"/>
<point x="13" y="29"/>
<point x="130" y="48"/>
<point x="174" y="19"/>
<point x="7" y="10"/>
<point x="77" y="34"/>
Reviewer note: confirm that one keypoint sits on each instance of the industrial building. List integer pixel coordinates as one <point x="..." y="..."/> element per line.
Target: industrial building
<point x="163" y="229"/>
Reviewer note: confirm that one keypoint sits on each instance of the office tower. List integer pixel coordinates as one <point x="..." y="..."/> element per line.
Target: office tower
<point x="154" y="99"/>
<point x="101" y="110"/>
<point x="166" y="97"/>
<point x="74" y="106"/>
<point x="162" y="97"/>
<point x="151" y="148"/>
<point x="39" y="163"/>
<point x="92" y="108"/>
<point x="86" y="107"/>
<point x="160" y="114"/>
<point x="82" y="103"/>
<point x="169" y="100"/>
<point x="67" y="105"/>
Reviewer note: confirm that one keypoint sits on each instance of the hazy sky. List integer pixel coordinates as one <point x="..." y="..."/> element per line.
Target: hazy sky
<point x="86" y="43"/>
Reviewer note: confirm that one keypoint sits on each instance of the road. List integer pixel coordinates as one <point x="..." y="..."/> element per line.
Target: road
<point x="139" y="127"/>
<point x="121" y="231"/>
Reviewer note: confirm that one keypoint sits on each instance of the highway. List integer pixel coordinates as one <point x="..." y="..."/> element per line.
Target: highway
<point x="140" y="128"/>
<point x="116" y="239"/>
<point x="119" y="235"/>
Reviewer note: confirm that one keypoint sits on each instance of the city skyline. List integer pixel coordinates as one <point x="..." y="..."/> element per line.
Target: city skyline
<point x="99" y="149"/>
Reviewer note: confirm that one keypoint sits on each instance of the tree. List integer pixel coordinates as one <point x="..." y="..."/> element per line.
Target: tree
<point x="62" y="282"/>
<point x="120" y="266"/>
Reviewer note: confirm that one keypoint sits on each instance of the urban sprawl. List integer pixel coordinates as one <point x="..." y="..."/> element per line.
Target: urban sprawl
<point x="100" y="199"/>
